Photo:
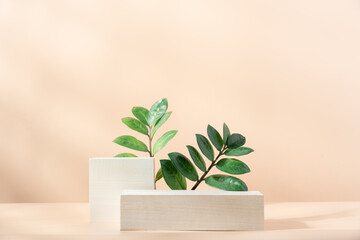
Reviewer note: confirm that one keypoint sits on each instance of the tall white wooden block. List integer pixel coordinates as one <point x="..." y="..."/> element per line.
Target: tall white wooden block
<point x="108" y="177"/>
<point x="191" y="210"/>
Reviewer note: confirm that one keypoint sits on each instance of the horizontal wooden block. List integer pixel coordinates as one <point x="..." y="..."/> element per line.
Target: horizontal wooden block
<point x="191" y="210"/>
<point x="108" y="177"/>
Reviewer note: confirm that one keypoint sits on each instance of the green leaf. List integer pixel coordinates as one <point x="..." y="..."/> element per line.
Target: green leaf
<point x="157" y="111"/>
<point x="226" y="133"/>
<point x="232" y="166"/>
<point x="126" y="155"/>
<point x="163" y="140"/>
<point x="161" y="121"/>
<point x="158" y="175"/>
<point x="135" y="124"/>
<point x="184" y="165"/>
<point x="240" y="151"/>
<point x="215" y="137"/>
<point x="205" y="146"/>
<point x="172" y="176"/>
<point x="235" y="140"/>
<point x="227" y="183"/>
<point x="142" y="114"/>
<point x="131" y="142"/>
<point x="197" y="158"/>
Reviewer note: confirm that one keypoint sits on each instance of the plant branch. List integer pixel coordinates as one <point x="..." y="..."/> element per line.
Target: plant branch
<point x="150" y="139"/>
<point x="213" y="163"/>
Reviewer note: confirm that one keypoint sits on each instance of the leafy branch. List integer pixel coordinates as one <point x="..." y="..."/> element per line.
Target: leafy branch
<point x="176" y="169"/>
<point x="147" y="122"/>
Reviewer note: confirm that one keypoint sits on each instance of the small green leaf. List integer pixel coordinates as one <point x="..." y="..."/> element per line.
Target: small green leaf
<point x="215" y="137"/>
<point x="142" y="114"/>
<point x="172" y="176"/>
<point x="226" y="133"/>
<point x="235" y="140"/>
<point x="197" y="158"/>
<point x="157" y="111"/>
<point x="158" y="175"/>
<point x="205" y="146"/>
<point x="161" y="121"/>
<point x="135" y="124"/>
<point x="126" y="155"/>
<point x="131" y="142"/>
<point x="232" y="166"/>
<point x="184" y="165"/>
<point x="240" y="151"/>
<point x="163" y="140"/>
<point x="227" y="183"/>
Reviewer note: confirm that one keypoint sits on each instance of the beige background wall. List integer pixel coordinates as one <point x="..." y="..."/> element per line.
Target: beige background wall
<point x="286" y="74"/>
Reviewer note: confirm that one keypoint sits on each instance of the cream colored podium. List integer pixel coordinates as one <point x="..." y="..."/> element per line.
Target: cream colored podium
<point x="283" y="221"/>
<point x="108" y="177"/>
<point x="191" y="210"/>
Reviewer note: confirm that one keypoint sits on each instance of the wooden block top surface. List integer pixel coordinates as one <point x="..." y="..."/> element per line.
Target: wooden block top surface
<point x="191" y="193"/>
<point x="120" y="158"/>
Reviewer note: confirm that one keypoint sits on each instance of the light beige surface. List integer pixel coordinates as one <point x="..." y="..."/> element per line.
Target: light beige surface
<point x="284" y="73"/>
<point x="295" y="221"/>
<point x="108" y="177"/>
<point x="191" y="210"/>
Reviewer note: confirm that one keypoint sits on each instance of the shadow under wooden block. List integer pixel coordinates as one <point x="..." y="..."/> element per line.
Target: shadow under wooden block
<point x="191" y="210"/>
<point x="108" y="177"/>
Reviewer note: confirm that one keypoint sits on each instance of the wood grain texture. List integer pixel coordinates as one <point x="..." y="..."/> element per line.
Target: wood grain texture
<point x="191" y="210"/>
<point x="108" y="177"/>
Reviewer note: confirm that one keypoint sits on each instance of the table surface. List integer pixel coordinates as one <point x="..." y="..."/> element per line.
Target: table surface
<point x="291" y="220"/>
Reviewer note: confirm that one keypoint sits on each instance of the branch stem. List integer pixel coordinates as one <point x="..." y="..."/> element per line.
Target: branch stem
<point x="213" y="163"/>
<point x="150" y="139"/>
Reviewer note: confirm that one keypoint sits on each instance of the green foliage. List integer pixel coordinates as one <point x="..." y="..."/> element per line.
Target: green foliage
<point x="135" y="124"/>
<point x="142" y="114"/>
<point x="184" y="165"/>
<point x="158" y="175"/>
<point x="131" y="142"/>
<point x="126" y="155"/>
<point x="235" y="140"/>
<point x="157" y="111"/>
<point x="229" y="145"/>
<point x="240" y="151"/>
<point x="159" y="123"/>
<point x="197" y="158"/>
<point x="176" y="169"/>
<point x="226" y="133"/>
<point x="228" y="183"/>
<point x="205" y="146"/>
<point x="172" y="176"/>
<point x="148" y="122"/>
<point x="215" y="137"/>
<point x="163" y="140"/>
<point x="232" y="166"/>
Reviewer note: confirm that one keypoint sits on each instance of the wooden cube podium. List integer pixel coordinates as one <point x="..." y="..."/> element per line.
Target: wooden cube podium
<point x="109" y="176"/>
<point x="191" y="210"/>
